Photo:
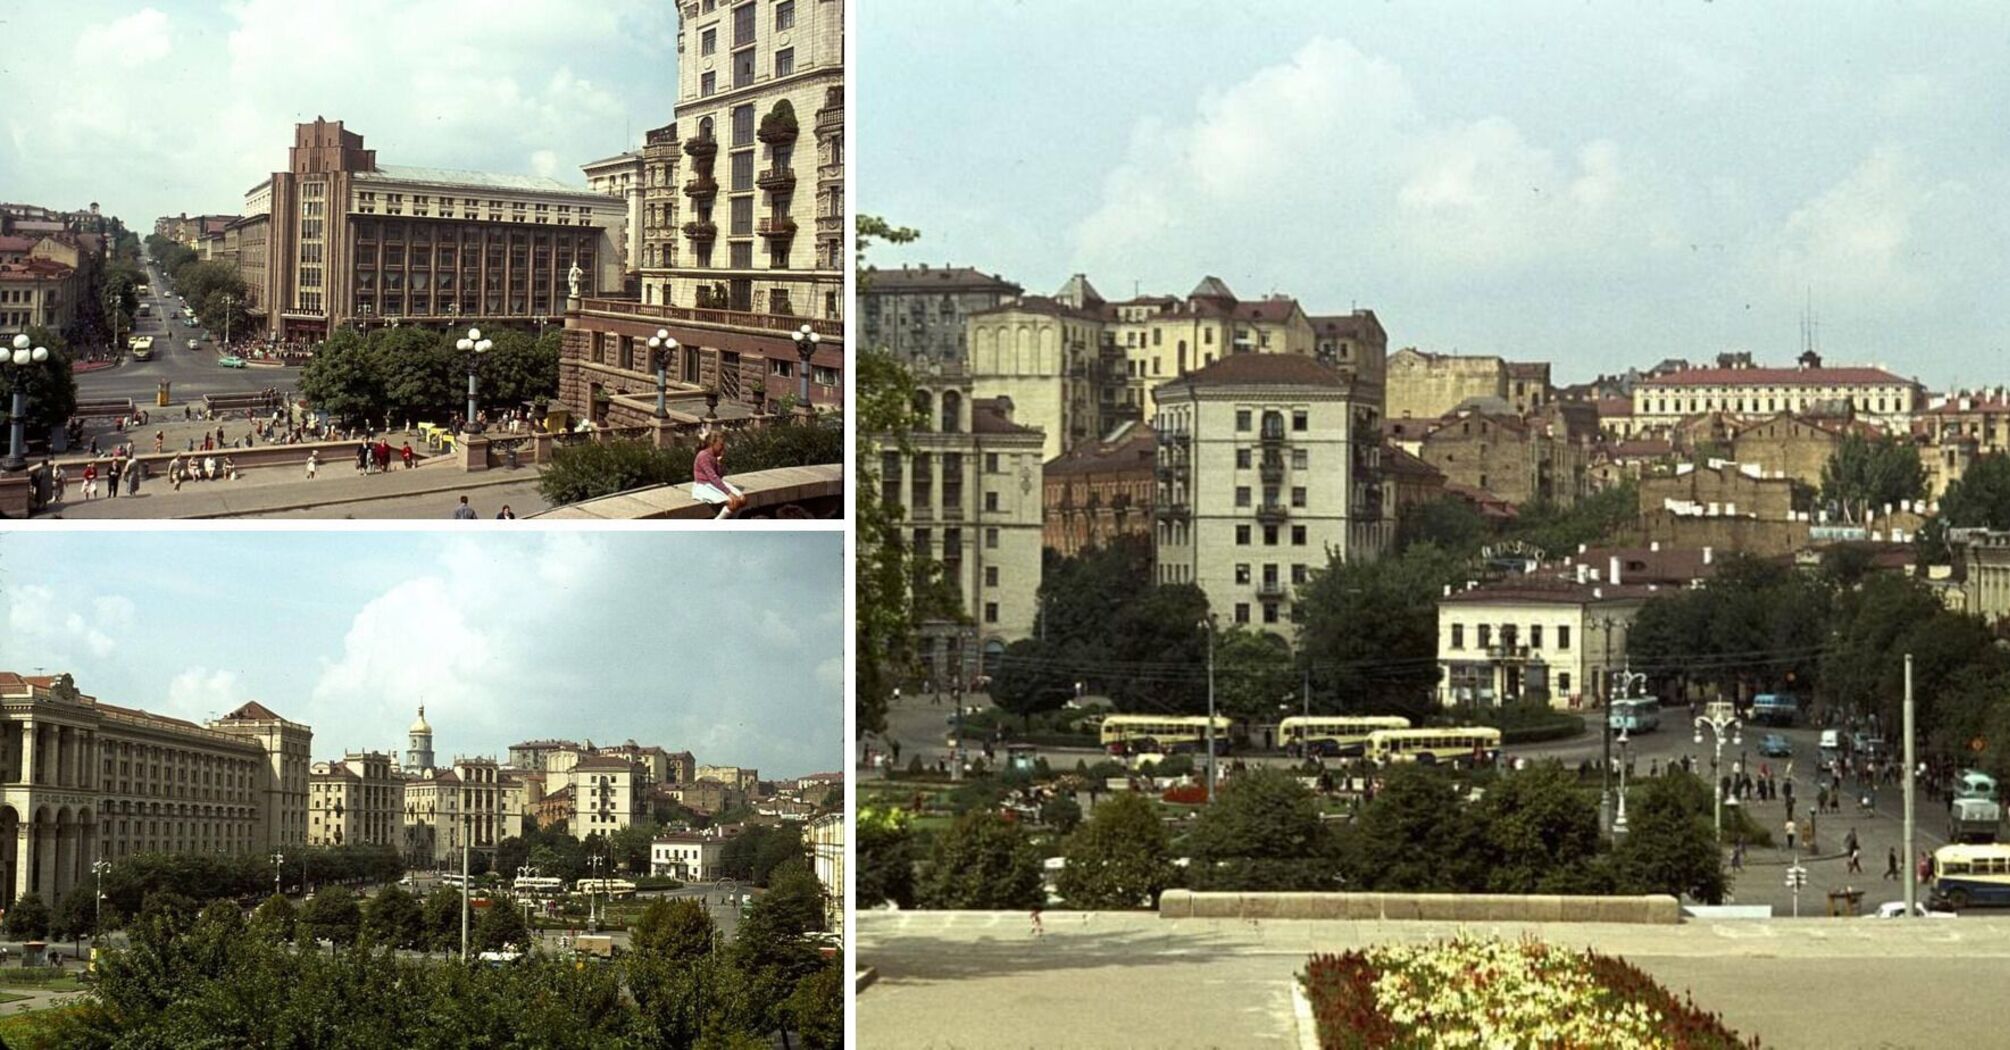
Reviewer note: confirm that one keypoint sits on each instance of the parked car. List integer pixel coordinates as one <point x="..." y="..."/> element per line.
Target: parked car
<point x="191" y="344"/>
<point x="1776" y="745"/>
<point x="229" y="360"/>
<point x="1896" y="910"/>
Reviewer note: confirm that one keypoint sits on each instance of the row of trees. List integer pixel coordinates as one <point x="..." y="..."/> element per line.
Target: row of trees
<point x="214" y="978"/>
<point x="1535" y="831"/>
<point x="393" y="375"/>
<point x="215" y="290"/>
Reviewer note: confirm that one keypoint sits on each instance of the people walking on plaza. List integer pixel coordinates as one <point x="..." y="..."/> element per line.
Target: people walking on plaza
<point x="1039" y="929"/>
<point x="133" y="472"/>
<point x="362" y="459"/>
<point x="160" y="439"/>
<point x="90" y="481"/>
<point x="505" y="514"/>
<point x="464" y="512"/>
<point x="1855" y="860"/>
<point x="1891" y="863"/>
<point x="112" y="478"/>
<point x="1792" y="829"/>
<point x="708" y="483"/>
<point x="313" y="462"/>
<point x="407" y="455"/>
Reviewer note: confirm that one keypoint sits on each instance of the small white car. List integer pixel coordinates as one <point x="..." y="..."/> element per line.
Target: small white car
<point x="1896" y="910"/>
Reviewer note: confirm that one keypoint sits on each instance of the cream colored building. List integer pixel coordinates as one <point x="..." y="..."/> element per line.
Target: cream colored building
<point x="1044" y="355"/>
<point x="606" y="795"/>
<point x="971" y="491"/>
<point x="355" y="801"/>
<point x="692" y="856"/>
<point x="1427" y="386"/>
<point x="736" y="776"/>
<point x="825" y="838"/>
<point x="1269" y="464"/>
<point x="82" y="780"/>
<point x="1534" y="639"/>
<point x="760" y="114"/>
<point x="622" y="176"/>
<point x="1867" y="393"/>
<point x="459" y="804"/>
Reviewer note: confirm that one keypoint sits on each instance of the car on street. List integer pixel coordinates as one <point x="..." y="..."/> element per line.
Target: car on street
<point x="1776" y="745"/>
<point x="230" y="361"/>
<point x="191" y="344"/>
<point x="1896" y="910"/>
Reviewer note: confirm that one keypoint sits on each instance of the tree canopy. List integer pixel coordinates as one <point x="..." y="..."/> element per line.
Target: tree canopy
<point x="1864" y="475"/>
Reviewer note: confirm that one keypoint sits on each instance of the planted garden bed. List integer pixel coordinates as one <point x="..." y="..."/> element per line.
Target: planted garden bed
<point x="1489" y="992"/>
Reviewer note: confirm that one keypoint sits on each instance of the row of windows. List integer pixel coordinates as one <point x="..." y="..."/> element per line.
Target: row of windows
<point x="1862" y="402"/>
<point x="1244" y="533"/>
<point x="1509" y="636"/>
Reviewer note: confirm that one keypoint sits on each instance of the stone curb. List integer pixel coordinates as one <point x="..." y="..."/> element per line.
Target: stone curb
<point x="864" y="979"/>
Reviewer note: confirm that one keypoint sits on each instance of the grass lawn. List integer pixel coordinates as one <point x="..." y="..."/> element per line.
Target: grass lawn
<point x="10" y="997"/>
<point x="11" y="979"/>
<point x="34" y="1030"/>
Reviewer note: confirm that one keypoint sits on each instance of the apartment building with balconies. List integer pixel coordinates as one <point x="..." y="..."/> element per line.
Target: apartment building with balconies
<point x="1268" y="465"/>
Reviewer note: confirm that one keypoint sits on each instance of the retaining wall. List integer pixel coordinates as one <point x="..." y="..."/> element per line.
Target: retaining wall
<point x="1436" y="907"/>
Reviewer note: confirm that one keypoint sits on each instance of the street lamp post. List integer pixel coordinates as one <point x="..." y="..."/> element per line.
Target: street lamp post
<point x="467" y="833"/>
<point x="227" y="301"/>
<point x="19" y="361"/>
<point x="661" y="347"/>
<point x="278" y="866"/>
<point x="99" y="867"/>
<point x="1208" y="626"/>
<point x="1619" y="822"/>
<point x="806" y="347"/>
<point x="1718" y="718"/>
<point x="476" y="346"/>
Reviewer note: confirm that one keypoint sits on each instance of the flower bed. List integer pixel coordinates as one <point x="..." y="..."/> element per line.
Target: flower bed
<point x="1494" y="993"/>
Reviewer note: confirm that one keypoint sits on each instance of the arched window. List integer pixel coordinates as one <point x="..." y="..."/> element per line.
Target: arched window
<point x="923" y="410"/>
<point x="952" y="412"/>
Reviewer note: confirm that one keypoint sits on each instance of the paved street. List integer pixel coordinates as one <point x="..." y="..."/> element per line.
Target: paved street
<point x="193" y="373"/>
<point x="430" y="491"/>
<point x="982" y="980"/>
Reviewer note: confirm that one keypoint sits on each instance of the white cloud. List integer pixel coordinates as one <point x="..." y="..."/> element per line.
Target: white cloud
<point x="50" y="630"/>
<point x="1861" y="236"/>
<point x="544" y="162"/>
<point x="129" y="42"/>
<point x="199" y="693"/>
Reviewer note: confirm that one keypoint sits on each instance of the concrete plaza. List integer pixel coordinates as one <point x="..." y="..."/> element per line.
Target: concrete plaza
<point x="1118" y="979"/>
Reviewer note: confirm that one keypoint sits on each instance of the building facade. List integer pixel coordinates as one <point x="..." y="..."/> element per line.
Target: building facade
<point x="1519" y="459"/>
<point x="1534" y="639"/>
<point x="1868" y="393"/>
<point x="1427" y="386"/>
<point x="921" y="314"/>
<point x="1268" y="465"/>
<point x="82" y="780"/>
<point x="624" y="176"/>
<point x="355" y="801"/>
<point x="451" y="807"/>
<point x="825" y="837"/>
<point x="970" y="489"/>
<point x="692" y="856"/>
<point x="350" y="242"/>
<point x="606" y="795"/>
<point x="1101" y="491"/>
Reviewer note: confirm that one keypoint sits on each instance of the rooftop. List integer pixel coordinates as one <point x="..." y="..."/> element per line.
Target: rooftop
<point x="926" y="278"/>
<point x="1849" y="374"/>
<point x="1263" y="370"/>
<point x="1136" y="446"/>
<point x="474" y="180"/>
<point x="1540" y="589"/>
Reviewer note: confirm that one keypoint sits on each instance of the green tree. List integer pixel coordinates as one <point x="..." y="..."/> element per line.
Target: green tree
<point x="443" y="910"/>
<point x="1263" y="833"/>
<point x="28" y="919"/>
<point x="676" y="930"/>
<point x="1556" y="527"/>
<point x="341" y="380"/>
<point x="1447" y="523"/>
<point x="1120" y="859"/>
<point x="1061" y="813"/>
<point x="76" y="916"/>
<point x="1254" y="673"/>
<point x="1865" y="474"/>
<point x="395" y="918"/>
<point x="1671" y="847"/>
<point x="1540" y="833"/>
<point x="276" y="918"/>
<point x="816" y="1009"/>
<point x="521" y="369"/>
<point x="49" y="386"/>
<point x="753" y="855"/>
<point x="1416" y="836"/>
<point x="983" y="862"/>
<point x="629" y="847"/>
<point x="1160" y="651"/>
<point x="499" y="928"/>
<point x="1370" y="631"/>
<point x="886" y="858"/>
<point x="331" y="915"/>
<point x="1028" y="679"/>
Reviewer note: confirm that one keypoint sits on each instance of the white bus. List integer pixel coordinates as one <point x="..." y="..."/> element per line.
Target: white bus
<point x="143" y="348"/>
<point x="538" y="885"/>
<point x="1125" y="734"/>
<point x="1344" y="736"/>
<point x="1964" y="875"/>
<point x="1640" y="715"/>
<point x="1474" y="745"/>
<point x="610" y="887"/>
<point x="454" y="879"/>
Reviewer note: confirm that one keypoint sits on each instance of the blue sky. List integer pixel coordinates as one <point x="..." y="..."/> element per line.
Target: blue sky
<point x="164" y="107"/>
<point x="730" y="646"/>
<point x="1594" y="184"/>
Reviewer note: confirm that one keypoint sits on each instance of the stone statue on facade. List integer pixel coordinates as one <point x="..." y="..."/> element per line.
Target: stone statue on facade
<point x="572" y="279"/>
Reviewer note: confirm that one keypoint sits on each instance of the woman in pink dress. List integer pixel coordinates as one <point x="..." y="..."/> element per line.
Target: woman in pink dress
<point x="708" y="482"/>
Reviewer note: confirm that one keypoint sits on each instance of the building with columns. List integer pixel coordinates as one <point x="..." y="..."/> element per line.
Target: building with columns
<point x="446" y="807"/>
<point x="82" y="780"/>
<point x="355" y="801"/>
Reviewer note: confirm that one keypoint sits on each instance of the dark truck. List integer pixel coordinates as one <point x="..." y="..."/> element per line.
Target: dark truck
<point x="1776" y="709"/>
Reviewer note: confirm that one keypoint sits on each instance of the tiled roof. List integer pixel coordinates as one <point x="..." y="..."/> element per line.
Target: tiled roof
<point x="252" y="711"/>
<point x="1397" y="461"/>
<point x="1361" y="324"/>
<point x="1773" y="377"/>
<point x="1137" y="450"/>
<point x="1609" y="407"/>
<point x="1269" y="311"/>
<point x="935" y="279"/>
<point x="16" y="244"/>
<point x="1543" y="589"/>
<point x="988" y="416"/>
<point x="1528" y="369"/>
<point x="475" y="180"/>
<point x="1263" y="370"/>
<point x="1211" y="287"/>
<point x="600" y="762"/>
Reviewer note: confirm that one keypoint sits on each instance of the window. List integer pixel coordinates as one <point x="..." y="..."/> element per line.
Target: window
<point x="1563" y="682"/>
<point x="743" y="68"/>
<point x="1300" y="419"/>
<point x="1269" y="612"/>
<point x="1242" y="572"/>
<point x="785" y="15"/>
<point x="1270" y="535"/>
<point x="743" y="25"/>
<point x="1242" y="495"/>
<point x="1563" y="637"/>
<point x="1298" y="459"/>
<point x="1535" y="636"/>
<point x="1242" y="535"/>
<point x="991" y="501"/>
<point x="785" y="61"/>
<point x="1242" y="459"/>
<point x="991" y="539"/>
<point x="1298" y="495"/>
<point x="990" y="612"/>
<point x="1242" y="420"/>
<point x="1486" y="636"/>
<point x="708" y="85"/>
<point x="708" y="42"/>
<point x="991" y="463"/>
<point x="1241" y="612"/>
<point x="743" y="126"/>
<point x="991" y="576"/>
<point x="1298" y="535"/>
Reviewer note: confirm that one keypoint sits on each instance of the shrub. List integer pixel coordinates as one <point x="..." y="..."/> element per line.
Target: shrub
<point x="1186" y="794"/>
<point x="587" y="471"/>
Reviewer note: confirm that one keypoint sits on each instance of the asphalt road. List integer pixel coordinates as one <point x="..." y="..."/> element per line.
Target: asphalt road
<point x="193" y="373"/>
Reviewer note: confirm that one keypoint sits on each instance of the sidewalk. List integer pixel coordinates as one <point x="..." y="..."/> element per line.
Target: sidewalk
<point x="269" y="491"/>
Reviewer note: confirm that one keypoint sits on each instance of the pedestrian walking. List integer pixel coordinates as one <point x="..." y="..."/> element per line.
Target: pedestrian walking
<point x="464" y="512"/>
<point x="1855" y="861"/>
<point x="505" y="514"/>
<point x="1792" y="830"/>
<point x="90" y="482"/>
<point x="1891" y="864"/>
<point x="313" y="462"/>
<point x="133" y="472"/>
<point x="1039" y="930"/>
<point x="408" y="456"/>
<point x="112" y="478"/>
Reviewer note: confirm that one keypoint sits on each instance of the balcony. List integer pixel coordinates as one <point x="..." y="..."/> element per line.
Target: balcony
<point x="701" y="230"/>
<point x="777" y="226"/>
<point x="1174" y="437"/>
<point x="779" y="180"/>
<point x="1171" y="512"/>
<point x="1271" y="590"/>
<point x="1272" y="514"/>
<point x="1272" y="437"/>
<point x="1512" y="653"/>
<point x="704" y="187"/>
<point x="1271" y="470"/>
<point x="702" y="149"/>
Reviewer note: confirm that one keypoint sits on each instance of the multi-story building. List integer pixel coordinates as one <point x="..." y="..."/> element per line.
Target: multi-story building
<point x="1798" y="447"/>
<point x="1957" y="428"/>
<point x="554" y="807"/>
<point x="82" y="780"/>
<point x="623" y="175"/>
<point x="355" y="801"/>
<point x="1044" y="355"/>
<point x="1427" y="386"/>
<point x="352" y="242"/>
<point x="533" y="754"/>
<point x="1519" y="459"/>
<point x="606" y="794"/>
<point x="709" y="797"/>
<point x="1534" y="638"/>
<point x="692" y="856"/>
<point x="921" y="313"/>
<point x="1868" y="393"/>
<point x="970" y="489"/>
<point x="1101" y="491"/>
<point x="825" y="837"/>
<point x="38" y="293"/>
<point x="1269" y="464"/>
<point x="734" y="776"/>
<point x="460" y="804"/>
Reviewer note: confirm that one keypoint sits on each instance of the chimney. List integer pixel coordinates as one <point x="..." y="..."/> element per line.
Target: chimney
<point x="1614" y="571"/>
<point x="1707" y="555"/>
<point x="1582" y="569"/>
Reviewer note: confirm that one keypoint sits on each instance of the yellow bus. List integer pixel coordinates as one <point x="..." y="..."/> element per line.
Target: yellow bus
<point x="1345" y="736"/>
<point x="1474" y="745"/>
<point x="143" y="348"/>
<point x="1965" y="875"/>
<point x="1126" y="734"/>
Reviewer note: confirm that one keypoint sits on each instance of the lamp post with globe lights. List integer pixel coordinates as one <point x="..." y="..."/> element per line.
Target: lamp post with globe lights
<point x="21" y="357"/>
<point x="476" y="346"/>
<point x="806" y="348"/>
<point x="1718" y="717"/>
<point x="661" y="347"/>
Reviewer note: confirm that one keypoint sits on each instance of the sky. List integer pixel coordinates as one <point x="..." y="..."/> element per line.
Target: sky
<point x="730" y="646"/>
<point x="1594" y="184"/>
<point x="167" y="107"/>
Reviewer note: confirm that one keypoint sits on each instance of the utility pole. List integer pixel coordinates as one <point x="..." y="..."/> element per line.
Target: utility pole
<point x="1308" y="691"/>
<point x="1208" y="626"/>
<point x="1911" y="870"/>
<point x="467" y="832"/>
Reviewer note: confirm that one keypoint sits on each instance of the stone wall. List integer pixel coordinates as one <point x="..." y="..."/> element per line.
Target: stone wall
<point x="1657" y="909"/>
<point x="1426" y="386"/>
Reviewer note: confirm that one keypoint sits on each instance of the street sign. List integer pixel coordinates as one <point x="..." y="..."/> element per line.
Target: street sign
<point x="1978" y="745"/>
